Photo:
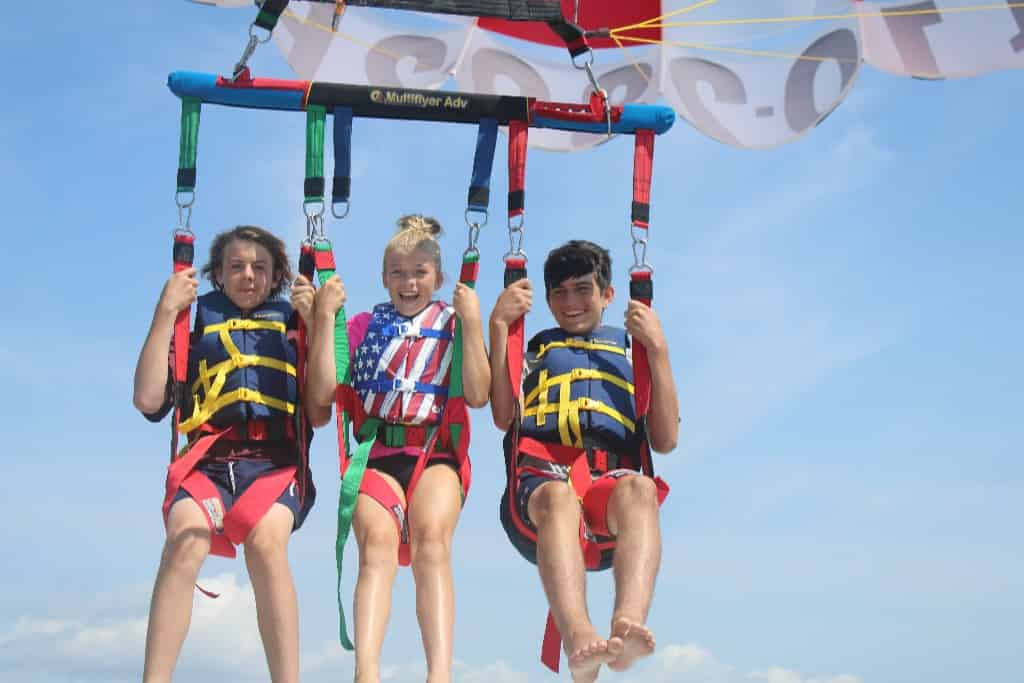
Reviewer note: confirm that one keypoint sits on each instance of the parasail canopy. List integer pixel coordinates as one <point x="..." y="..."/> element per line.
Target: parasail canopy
<point x="749" y="74"/>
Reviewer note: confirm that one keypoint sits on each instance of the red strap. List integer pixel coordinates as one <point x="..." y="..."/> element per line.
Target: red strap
<point x="184" y="248"/>
<point x="250" y="507"/>
<point x="470" y="271"/>
<point x="641" y="366"/>
<point x="324" y="259"/>
<point x="374" y="486"/>
<point x="178" y="470"/>
<point x="551" y="650"/>
<point x="518" y="132"/>
<point x="643" y="161"/>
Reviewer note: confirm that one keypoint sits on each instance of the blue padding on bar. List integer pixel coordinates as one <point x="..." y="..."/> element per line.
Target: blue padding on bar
<point x="483" y="163"/>
<point x="634" y="117"/>
<point x="342" y="154"/>
<point x="204" y="87"/>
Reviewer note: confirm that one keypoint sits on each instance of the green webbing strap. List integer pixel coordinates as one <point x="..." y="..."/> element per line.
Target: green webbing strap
<point x="353" y="476"/>
<point x="470" y="265"/>
<point x="190" y="107"/>
<point x="314" y="187"/>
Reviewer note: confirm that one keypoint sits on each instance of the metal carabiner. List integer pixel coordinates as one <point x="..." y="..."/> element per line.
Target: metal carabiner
<point x="250" y="48"/>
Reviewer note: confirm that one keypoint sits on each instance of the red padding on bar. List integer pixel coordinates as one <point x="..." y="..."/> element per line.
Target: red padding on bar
<point x="245" y="80"/>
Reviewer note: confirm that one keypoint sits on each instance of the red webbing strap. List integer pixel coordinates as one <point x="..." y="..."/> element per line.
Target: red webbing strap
<point x="643" y="162"/>
<point x="551" y="648"/>
<point x="179" y="470"/>
<point x="307" y="270"/>
<point x="518" y="133"/>
<point x="641" y="288"/>
<point x="515" y="269"/>
<point x="250" y="507"/>
<point x="183" y="256"/>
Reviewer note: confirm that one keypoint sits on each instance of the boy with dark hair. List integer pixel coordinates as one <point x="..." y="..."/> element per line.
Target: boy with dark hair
<point x="577" y="498"/>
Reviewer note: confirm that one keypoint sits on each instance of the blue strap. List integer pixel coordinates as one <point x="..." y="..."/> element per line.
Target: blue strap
<point x="381" y="386"/>
<point x="400" y="329"/>
<point x="342" y="185"/>
<point x="483" y="162"/>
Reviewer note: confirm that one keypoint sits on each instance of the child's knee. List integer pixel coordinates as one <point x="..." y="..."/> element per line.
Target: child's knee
<point x="431" y="548"/>
<point x="635" y="492"/>
<point x="552" y="500"/>
<point x="186" y="548"/>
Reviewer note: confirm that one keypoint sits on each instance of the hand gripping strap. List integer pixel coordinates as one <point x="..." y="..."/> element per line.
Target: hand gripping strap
<point x="643" y="160"/>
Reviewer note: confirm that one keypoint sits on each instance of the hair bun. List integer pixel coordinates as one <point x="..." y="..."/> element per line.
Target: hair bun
<point x="419" y="223"/>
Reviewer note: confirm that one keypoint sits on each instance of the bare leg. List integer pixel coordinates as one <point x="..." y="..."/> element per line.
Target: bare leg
<point x="378" y="540"/>
<point x="555" y="511"/>
<point x="433" y="514"/>
<point x="633" y="519"/>
<point x="170" y="611"/>
<point x="277" y="609"/>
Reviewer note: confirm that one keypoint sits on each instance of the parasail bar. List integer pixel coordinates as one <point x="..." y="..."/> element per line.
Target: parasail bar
<point x="413" y="105"/>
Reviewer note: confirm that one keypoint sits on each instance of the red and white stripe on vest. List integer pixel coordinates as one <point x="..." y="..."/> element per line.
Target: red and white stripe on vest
<point x="401" y="367"/>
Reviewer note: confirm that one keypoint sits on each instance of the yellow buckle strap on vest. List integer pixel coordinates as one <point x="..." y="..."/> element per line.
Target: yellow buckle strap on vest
<point x="540" y="392"/>
<point x="240" y="361"/>
<point x="579" y="344"/>
<point x="214" y="403"/>
<point x="244" y="324"/>
<point x="544" y="382"/>
<point x="569" y="427"/>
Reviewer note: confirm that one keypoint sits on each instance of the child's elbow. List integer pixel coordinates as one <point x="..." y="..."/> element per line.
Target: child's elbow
<point x="145" y="404"/>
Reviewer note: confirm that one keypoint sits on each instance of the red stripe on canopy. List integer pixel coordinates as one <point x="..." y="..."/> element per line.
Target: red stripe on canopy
<point x="594" y="15"/>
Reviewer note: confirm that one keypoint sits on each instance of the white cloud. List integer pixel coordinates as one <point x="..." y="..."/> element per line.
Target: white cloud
<point x="780" y="675"/>
<point x="223" y="641"/>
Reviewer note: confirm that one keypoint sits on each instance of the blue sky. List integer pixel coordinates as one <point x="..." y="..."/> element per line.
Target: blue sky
<point x="845" y="322"/>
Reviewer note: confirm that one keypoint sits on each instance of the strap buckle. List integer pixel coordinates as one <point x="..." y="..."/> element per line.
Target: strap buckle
<point x="403" y="384"/>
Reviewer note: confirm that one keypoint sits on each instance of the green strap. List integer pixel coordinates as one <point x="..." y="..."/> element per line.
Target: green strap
<point x="316" y="116"/>
<point x="189" y="142"/>
<point x="455" y="379"/>
<point x="353" y="477"/>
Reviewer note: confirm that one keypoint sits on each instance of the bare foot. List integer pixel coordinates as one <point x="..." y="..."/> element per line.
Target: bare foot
<point x="634" y="640"/>
<point x="585" y="661"/>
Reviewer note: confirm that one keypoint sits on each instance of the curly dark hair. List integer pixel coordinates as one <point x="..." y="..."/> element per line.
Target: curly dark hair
<point x="282" y="274"/>
<point x="577" y="258"/>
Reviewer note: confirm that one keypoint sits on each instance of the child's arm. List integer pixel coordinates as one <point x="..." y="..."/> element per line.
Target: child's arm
<point x="663" y="419"/>
<point x="476" y="373"/>
<point x="513" y="303"/>
<point x="151" y="372"/>
<point x="321" y="380"/>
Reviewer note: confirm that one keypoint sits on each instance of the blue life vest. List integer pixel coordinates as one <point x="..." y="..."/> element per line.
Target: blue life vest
<point x="579" y="393"/>
<point x="402" y="365"/>
<point x="243" y="368"/>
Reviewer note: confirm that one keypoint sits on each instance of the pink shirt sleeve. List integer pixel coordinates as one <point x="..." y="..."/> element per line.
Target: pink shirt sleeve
<point x="356" y="326"/>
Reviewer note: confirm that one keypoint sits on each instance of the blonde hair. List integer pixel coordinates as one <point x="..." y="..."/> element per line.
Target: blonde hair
<point x="416" y="233"/>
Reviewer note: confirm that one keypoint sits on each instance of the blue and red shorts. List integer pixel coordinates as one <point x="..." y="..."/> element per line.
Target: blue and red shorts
<point x="233" y="466"/>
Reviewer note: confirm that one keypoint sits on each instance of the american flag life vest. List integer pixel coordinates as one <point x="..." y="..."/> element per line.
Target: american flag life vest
<point x="402" y="365"/>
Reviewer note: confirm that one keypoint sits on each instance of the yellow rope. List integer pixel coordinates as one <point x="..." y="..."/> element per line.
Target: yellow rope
<point x="631" y="60"/>
<point x="344" y="36"/>
<point x="738" y="50"/>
